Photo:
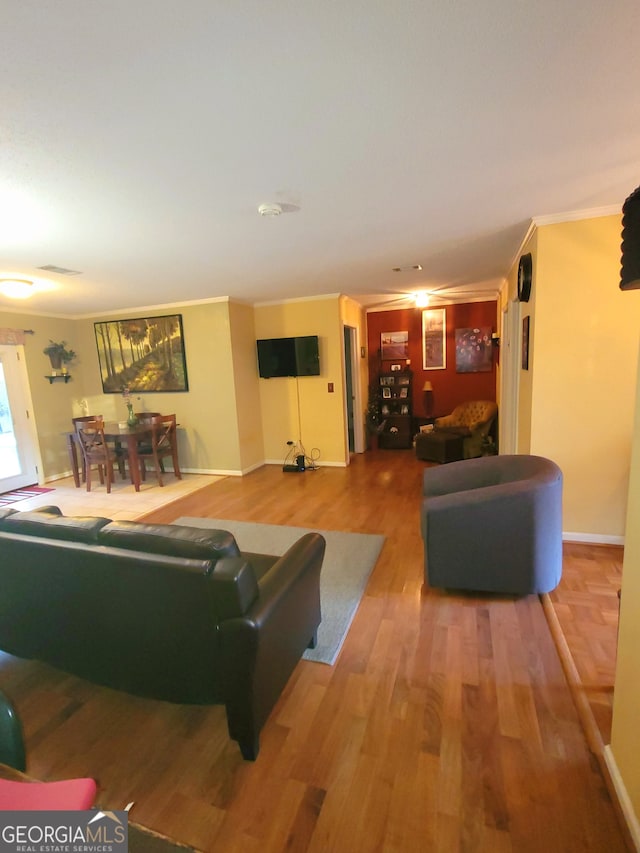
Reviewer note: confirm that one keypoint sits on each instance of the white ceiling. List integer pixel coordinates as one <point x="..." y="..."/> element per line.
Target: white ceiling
<point x="139" y="137"/>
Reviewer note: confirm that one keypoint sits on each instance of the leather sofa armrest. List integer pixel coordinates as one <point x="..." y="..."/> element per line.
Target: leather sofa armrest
<point x="261" y="649"/>
<point x="235" y="587"/>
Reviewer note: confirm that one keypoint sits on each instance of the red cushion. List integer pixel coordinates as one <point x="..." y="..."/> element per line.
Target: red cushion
<point x="68" y="794"/>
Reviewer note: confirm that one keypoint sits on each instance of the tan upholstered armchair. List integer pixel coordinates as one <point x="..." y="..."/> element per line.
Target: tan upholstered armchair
<point x="471" y="420"/>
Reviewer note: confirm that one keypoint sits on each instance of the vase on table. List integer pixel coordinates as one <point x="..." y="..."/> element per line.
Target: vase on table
<point x="132" y="420"/>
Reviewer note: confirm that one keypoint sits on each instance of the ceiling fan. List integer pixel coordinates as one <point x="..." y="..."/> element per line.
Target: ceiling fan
<point x="426" y="297"/>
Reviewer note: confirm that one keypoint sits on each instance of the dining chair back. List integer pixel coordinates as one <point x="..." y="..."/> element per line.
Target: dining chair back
<point x="96" y="451"/>
<point x="144" y="445"/>
<point x="163" y="444"/>
<point x="146" y="416"/>
<point x="80" y="420"/>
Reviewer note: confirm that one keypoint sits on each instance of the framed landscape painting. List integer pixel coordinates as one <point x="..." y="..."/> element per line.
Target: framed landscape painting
<point x="394" y="345"/>
<point x="434" y="342"/>
<point x="145" y="354"/>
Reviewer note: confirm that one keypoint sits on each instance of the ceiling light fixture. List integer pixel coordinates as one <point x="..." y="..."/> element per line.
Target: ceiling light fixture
<point x="16" y="288"/>
<point x="422" y="299"/>
<point x="270" y="209"/>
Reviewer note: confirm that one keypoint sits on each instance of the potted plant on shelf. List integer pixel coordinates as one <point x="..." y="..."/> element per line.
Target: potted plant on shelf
<point x="59" y="354"/>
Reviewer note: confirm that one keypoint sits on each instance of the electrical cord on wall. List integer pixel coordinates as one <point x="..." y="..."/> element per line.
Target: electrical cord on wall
<point x="297" y="456"/>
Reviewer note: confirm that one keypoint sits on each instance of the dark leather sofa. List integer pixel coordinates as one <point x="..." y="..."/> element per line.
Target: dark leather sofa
<point x="163" y="611"/>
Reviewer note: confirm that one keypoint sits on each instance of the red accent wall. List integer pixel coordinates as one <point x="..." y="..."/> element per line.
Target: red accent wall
<point x="449" y="387"/>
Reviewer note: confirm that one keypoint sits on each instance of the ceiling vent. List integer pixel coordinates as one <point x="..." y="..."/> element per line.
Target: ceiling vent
<point x="60" y="270"/>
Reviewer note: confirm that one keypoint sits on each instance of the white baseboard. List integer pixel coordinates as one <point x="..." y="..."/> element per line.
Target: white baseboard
<point x="319" y="464"/>
<point x="624" y="800"/>
<point x="592" y="538"/>
<point x="214" y="472"/>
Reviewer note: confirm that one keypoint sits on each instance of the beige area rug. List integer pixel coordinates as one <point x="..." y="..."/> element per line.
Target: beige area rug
<point x="123" y="503"/>
<point x="348" y="562"/>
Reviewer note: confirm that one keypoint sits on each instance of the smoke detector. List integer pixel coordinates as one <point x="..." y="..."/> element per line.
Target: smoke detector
<point x="270" y="209"/>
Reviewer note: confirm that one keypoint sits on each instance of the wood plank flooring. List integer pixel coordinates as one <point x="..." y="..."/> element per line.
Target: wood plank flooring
<point x="587" y="606"/>
<point x="445" y="725"/>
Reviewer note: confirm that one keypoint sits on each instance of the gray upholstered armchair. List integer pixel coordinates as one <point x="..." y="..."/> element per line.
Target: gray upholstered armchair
<point x="493" y="524"/>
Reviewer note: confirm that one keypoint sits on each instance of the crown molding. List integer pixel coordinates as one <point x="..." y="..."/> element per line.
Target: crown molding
<point x="576" y="215"/>
<point x="298" y="299"/>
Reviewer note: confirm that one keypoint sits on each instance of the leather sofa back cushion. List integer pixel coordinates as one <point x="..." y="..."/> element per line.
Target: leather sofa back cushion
<point x="171" y="540"/>
<point x="51" y="526"/>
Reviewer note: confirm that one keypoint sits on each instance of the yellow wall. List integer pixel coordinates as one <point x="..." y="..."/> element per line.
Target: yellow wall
<point x="576" y="399"/>
<point x="625" y="736"/>
<point x="322" y="424"/>
<point x="247" y="391"/>
<point x="208" y="435"/>
<point x="527" y="309"/>
<point x="227" y="407"/>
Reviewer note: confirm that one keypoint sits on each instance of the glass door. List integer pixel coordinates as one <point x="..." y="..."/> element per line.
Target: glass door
<point x="18" y="467"/>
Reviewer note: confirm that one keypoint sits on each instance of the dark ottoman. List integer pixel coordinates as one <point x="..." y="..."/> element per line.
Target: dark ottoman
<point x="440" y="445"/>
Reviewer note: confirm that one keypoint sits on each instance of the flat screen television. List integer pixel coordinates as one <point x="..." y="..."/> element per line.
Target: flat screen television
<point x="288" y="357"/>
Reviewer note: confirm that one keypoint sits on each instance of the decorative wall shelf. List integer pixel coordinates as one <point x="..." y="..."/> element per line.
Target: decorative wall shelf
<point x="65" y="376"/>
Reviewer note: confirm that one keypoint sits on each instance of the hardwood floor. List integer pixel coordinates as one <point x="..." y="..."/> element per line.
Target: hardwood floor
<point x="446" y="723"/>
<point x="587" y="606"/>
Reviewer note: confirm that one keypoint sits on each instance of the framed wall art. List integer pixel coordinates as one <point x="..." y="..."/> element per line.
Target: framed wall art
<point x="473" y="350"/>
<point x="434" y="339"/>
<point x="394" y="345"/>
<point x="145" y="354"/>
<point x="525" y="342"/>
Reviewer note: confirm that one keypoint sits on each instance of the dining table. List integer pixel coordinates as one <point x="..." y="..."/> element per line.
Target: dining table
<point x="125" y="435"/>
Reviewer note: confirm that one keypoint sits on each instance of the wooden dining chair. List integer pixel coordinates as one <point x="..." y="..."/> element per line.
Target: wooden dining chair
<point x="163" y="443"/>
<point x="144" y="445"/>
<point x="146" y="416"/>
<point x="81" y="420"/>
<point x="96" y="451"/>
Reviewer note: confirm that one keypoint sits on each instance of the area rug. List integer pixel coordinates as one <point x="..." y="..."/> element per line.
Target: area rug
<point x="22" y="494"/>
<point x="348" y="562"/>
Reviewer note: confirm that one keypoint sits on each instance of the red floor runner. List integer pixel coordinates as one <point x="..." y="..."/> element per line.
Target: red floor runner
<point x="22" y="494"/>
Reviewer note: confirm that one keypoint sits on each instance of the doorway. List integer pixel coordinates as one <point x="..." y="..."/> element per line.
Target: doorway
<point x="18" y="449"/>
<point x="353" y="396"/>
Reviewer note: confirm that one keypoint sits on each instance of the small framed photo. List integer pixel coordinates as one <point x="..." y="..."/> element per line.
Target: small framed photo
<point x="386" y="392"/>
<point x="404" y="392"/>
<point x="395" y="367"/>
